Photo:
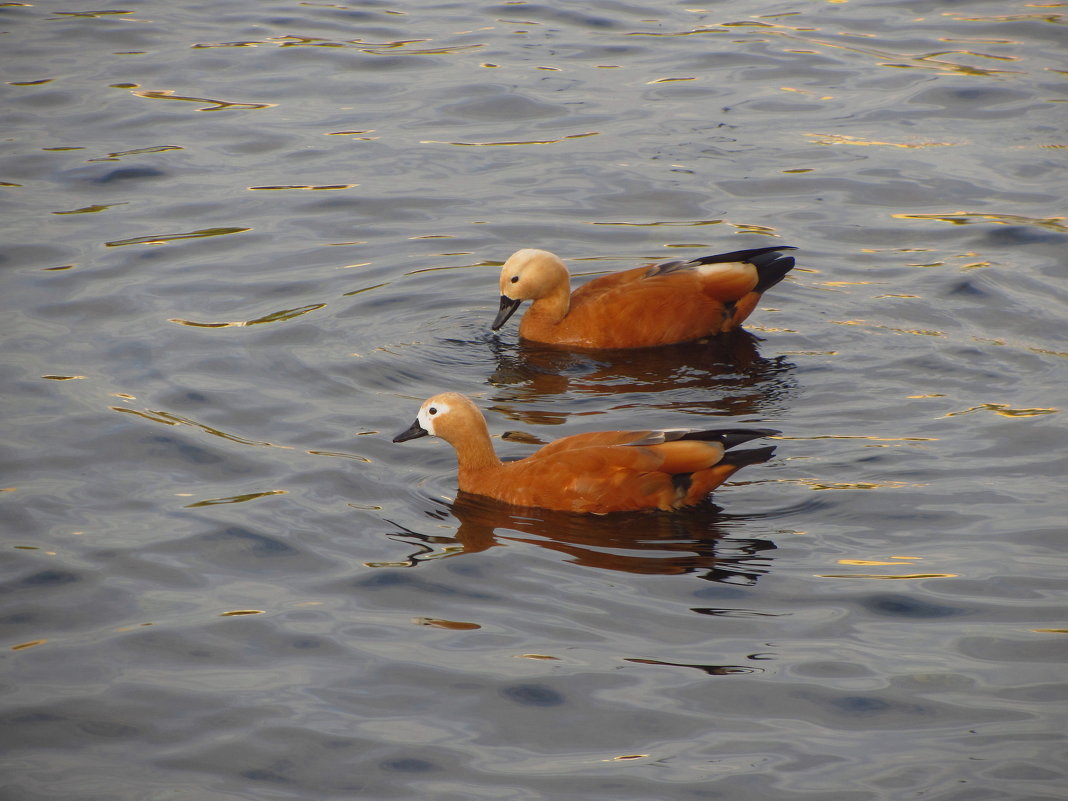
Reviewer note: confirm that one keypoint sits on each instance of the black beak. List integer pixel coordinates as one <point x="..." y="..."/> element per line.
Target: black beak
<point x="414" y="431"/>
<point x="508" y="307"/>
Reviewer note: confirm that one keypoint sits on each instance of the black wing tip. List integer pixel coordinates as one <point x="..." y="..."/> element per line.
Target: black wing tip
<point x="730" y="437"/>
<point x="741" y="255"/>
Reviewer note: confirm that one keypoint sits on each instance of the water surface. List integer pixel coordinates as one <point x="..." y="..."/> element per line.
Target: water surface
<point x="243" y="241"/>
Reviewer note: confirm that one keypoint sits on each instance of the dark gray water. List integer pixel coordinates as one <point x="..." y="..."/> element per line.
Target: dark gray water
<point x="242" y="241"/>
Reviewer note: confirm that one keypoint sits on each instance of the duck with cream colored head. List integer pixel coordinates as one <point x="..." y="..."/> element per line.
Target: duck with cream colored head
<point x="597" y="472"/>
<point x="663" y="304"/>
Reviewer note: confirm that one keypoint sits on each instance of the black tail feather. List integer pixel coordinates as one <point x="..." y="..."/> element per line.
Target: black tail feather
<point x="770" y="270"/>
<point x="730" y="437"/>
<point x="771" y="265"/>
<point x="748" y="456"/>
<point x="740" y="255"/>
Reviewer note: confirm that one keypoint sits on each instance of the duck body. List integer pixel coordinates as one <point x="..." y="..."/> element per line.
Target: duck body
<point x="597" y="472"/>
<point x="663" y="304"/>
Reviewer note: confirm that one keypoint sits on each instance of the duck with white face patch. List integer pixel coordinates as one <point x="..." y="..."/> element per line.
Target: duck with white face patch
<point x="596" y="472"/>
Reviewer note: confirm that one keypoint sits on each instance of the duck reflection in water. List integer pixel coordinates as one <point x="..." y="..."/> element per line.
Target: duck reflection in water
<point x="695" y="540"/>
<point x="724" y="376"/>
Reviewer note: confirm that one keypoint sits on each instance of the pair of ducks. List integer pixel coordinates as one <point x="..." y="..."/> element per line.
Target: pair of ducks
<point x="613" y="471"/>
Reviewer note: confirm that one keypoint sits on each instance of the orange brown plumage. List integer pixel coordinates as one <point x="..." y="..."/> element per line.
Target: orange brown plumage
<point x="596" y="472"/>
<point x="663" y="304"/>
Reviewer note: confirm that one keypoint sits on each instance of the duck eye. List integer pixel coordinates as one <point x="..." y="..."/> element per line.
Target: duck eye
<point x="432" y="410"/>
<point x="515" y="279"/>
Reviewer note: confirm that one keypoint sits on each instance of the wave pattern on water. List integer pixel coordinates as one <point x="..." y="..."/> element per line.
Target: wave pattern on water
<point x="224" y="581"/>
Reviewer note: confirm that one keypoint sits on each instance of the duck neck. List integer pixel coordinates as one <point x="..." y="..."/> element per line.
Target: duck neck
<point x="552" y="308"/>
<point x="475" y="456"/>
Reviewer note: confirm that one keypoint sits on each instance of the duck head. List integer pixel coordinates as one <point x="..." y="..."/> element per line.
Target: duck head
<point x="529" y="274"/>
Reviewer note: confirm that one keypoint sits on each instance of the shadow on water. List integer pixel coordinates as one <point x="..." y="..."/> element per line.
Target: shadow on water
<point x="723" y="376"/>
<point x="692" y="541"/>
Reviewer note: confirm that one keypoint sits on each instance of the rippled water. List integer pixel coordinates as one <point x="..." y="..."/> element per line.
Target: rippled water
<point x="244" y="240"/>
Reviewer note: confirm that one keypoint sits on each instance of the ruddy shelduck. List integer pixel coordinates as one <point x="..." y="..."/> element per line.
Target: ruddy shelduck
<point x="597" y="472"/>
<point x="661" y="304"/>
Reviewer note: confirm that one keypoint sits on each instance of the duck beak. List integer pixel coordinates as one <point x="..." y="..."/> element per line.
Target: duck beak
<point x="414" y="431"/>
<point x="508" y="307"/>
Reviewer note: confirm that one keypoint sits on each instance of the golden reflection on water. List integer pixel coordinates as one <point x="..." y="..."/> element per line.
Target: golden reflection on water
<point x="805" y="92"/>
<point x="354" y="133"/>
<point x="239" y="612"/>
<point x="235" y="498"/>
<point x="816" y="484"/>
<point x="82" y="13"/>
<point x="917" y="331"/>
<point x="1056" y="19"/>
<point x="1004" y="410"/>
<point x="170" y="419"/>
<point x="942" y="61"/>
<point x="765" y="329"/>
<point x="140" y="151"/>
<point x="510" y="143"/>
<point x="441" y="623"/>
<point x="305" y="186"/>
<point x="881" y="576"/>
<point x="24" y="645"/>
<point x="1047" y="352"/>
<point x="929" y="61"/>
<point x="843" y="139"/>
<point x="162" y="239"/>
<point x="212" y="104"/>
<point x="273" y="317"/>
<point x="747" y="228"/>
<point x="865" y="436"/>
<point x="94" y="208"/>
<point x="657" y="222"/>
<point x="336" y="454"/>
<point x="741" y="228"/>
<point x="972" y="218"/>
<point x="364" y="288"/>
<point x="875" y="562"/>
<point x="372" y="48"/>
